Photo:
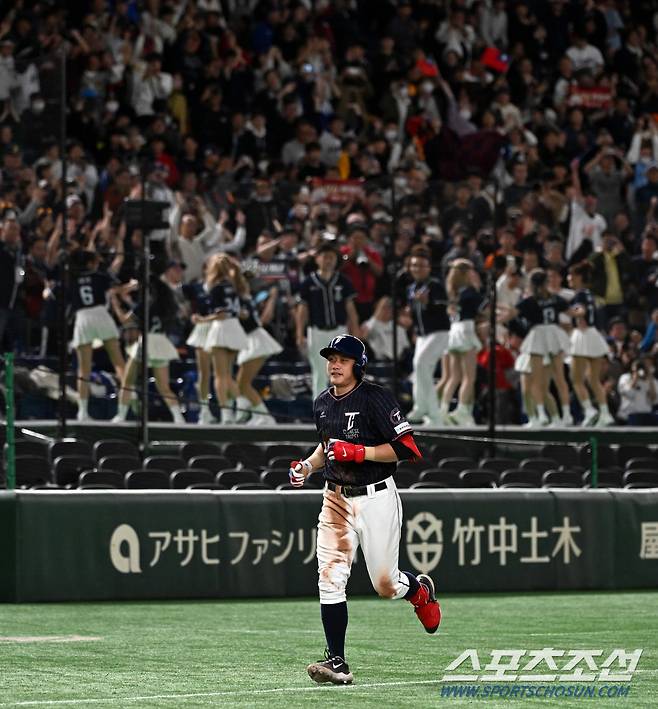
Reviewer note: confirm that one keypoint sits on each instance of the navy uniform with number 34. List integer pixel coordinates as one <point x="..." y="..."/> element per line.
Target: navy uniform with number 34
<point x="362" y="436"/>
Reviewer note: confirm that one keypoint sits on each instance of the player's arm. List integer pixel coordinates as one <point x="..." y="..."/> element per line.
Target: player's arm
<point x="352" y="317"/>
<point x="301" y="318"/>
<point x="301" y="469"/>
<point x="404" y="448"/>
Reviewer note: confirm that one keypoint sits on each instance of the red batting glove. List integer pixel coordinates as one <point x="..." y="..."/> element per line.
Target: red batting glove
<point x="344" y="452"/>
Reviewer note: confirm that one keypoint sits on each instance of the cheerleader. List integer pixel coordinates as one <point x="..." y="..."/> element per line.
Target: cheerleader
<point x="199" y="295"/>
<point x="226" y="336"/>
<point x="162" y="309"/>
<point x="261" y="345"/>
<point x="466" y="303"/>
<point x="543" y="344"/>
<point x="588" y="348"/>
<point x="89" y="297"/>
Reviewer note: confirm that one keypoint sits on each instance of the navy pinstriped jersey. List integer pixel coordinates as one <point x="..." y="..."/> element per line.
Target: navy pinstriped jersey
<point x="369" y="415"/>
<point x="224" y="299"/>
<point x="326" y="300"/>
<point x="199" y="296"/>
<point x="89" y="289"/>
<point x="252" y="320"/>
<point x="469" y="303"/>
<point x="431" y="316"/>
<point x="585" y="299"/>
<point x="162" y="308"/>
<point x="542" y="311"/>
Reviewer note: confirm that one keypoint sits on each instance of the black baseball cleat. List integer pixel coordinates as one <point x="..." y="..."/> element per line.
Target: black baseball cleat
<point x="332" y="669"/>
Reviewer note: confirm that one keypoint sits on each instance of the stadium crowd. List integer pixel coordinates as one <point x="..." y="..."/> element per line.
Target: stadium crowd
<point x="328" y="164"/>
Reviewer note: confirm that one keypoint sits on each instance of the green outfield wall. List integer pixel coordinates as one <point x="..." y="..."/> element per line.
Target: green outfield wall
<point x="95" y="545"/>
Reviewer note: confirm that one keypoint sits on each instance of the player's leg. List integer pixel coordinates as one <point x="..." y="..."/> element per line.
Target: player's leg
<point x="463" y="414"/>
<point x="379" y="523"/>
<point x="116" y="357"/>
<point x="316" y="340"/>
<point x="204" y="367"/>
<point x="594" y="375"/>
<point x="453" y="382"/>
<point x="232" y="387"/>
<point x="161" y="375"/>
<point x="221" y="363"/>
<point x="537" y="386"/>
<point x="557" y="372"/>
<point x="260" y="415"/>
<point x="84" y="353"/>
<point x="441" y="384"/>
<point x="337" y="542"/>
<point x="125" y="394"/>
<point x="578" y="372"/>
<point x="421" y="380"/>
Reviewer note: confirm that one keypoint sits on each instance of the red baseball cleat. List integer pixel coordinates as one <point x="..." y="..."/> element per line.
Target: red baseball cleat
<point x="425" y="604"/>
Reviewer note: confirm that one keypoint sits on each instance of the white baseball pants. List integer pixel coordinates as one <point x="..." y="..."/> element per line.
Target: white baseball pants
<point x="429" y="350"/>
<point x="316" y="339"/>
<point x="373" y="521"/>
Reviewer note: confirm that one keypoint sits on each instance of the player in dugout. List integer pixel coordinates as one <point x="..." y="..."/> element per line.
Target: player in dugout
<point x="363" y="434"/>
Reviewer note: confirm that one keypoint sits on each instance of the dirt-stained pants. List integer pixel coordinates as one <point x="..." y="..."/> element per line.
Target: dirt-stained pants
<point x="373" y="521"/>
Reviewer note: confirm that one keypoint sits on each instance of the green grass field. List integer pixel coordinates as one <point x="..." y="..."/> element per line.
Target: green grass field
<point x="254" y="653"/>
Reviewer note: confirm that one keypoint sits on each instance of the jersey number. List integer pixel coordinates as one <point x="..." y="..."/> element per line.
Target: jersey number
<point x="87" y="295"/>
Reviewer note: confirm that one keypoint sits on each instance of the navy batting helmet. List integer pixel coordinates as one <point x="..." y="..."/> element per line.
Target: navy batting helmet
<point x="349" y="346"/>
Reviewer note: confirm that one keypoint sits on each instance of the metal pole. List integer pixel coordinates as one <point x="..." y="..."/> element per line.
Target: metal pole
<point x="594" y="446"/>
<point x="394" y="289"/>
<point x="491" y="372"/>
<point x="62" y="292"/>
<point x="146" y="275"/>
<point x="9" y="404"/>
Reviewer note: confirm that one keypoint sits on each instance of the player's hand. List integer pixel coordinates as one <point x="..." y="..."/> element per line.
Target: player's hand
<point x="344" y="452"/>
<point x="299" y="469"/>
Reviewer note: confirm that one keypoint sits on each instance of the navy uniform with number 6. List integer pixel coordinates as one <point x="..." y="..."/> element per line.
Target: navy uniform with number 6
<point x="362" y="436"/>
<point x="89" y="293"/>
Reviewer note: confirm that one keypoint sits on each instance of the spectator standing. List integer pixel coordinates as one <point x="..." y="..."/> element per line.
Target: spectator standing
<point x="325" y="309"/>
<point x="612" y="276"/>
<point x="11" y="270"/>
<point x="637" y="393"/>
<point x="362" y="265"/>
<point x="586" y="224"/>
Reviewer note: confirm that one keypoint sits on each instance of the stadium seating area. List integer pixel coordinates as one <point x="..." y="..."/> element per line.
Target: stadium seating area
<point x="117" y="465"/>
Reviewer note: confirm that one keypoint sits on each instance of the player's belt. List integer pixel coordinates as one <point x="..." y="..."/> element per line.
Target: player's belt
<point x="355" y="490"/>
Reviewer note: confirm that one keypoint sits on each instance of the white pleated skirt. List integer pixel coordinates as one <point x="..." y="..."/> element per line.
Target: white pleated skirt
<point x="160" y="349"/>
<point x="462" y="337"/>
<point x="261" y="344"/>
<point x="199" y="335"/>
<point x="93" y="324"/>
<point x="588" y="343"/>
<point x="228" y="334"/>
<point x="543" y="340"/>
<point x="522" y="364"/>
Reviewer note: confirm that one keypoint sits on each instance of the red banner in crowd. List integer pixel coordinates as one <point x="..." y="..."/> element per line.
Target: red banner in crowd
<point x="337" y="191"/>
<point x="594" y="97"/>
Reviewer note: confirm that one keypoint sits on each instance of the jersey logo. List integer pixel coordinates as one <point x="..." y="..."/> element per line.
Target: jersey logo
<point x="351" y="415"/>
<point x="323" y="414"/>
<point x="396" y="416"/>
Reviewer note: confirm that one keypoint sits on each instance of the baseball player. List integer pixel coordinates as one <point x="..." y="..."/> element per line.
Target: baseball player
<point x="363" y="434"/>
<point x="427" y="301"/>
<point x="325" y="308"/>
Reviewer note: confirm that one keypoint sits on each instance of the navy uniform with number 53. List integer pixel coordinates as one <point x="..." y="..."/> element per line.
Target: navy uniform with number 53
<point x="362" y="436"/>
